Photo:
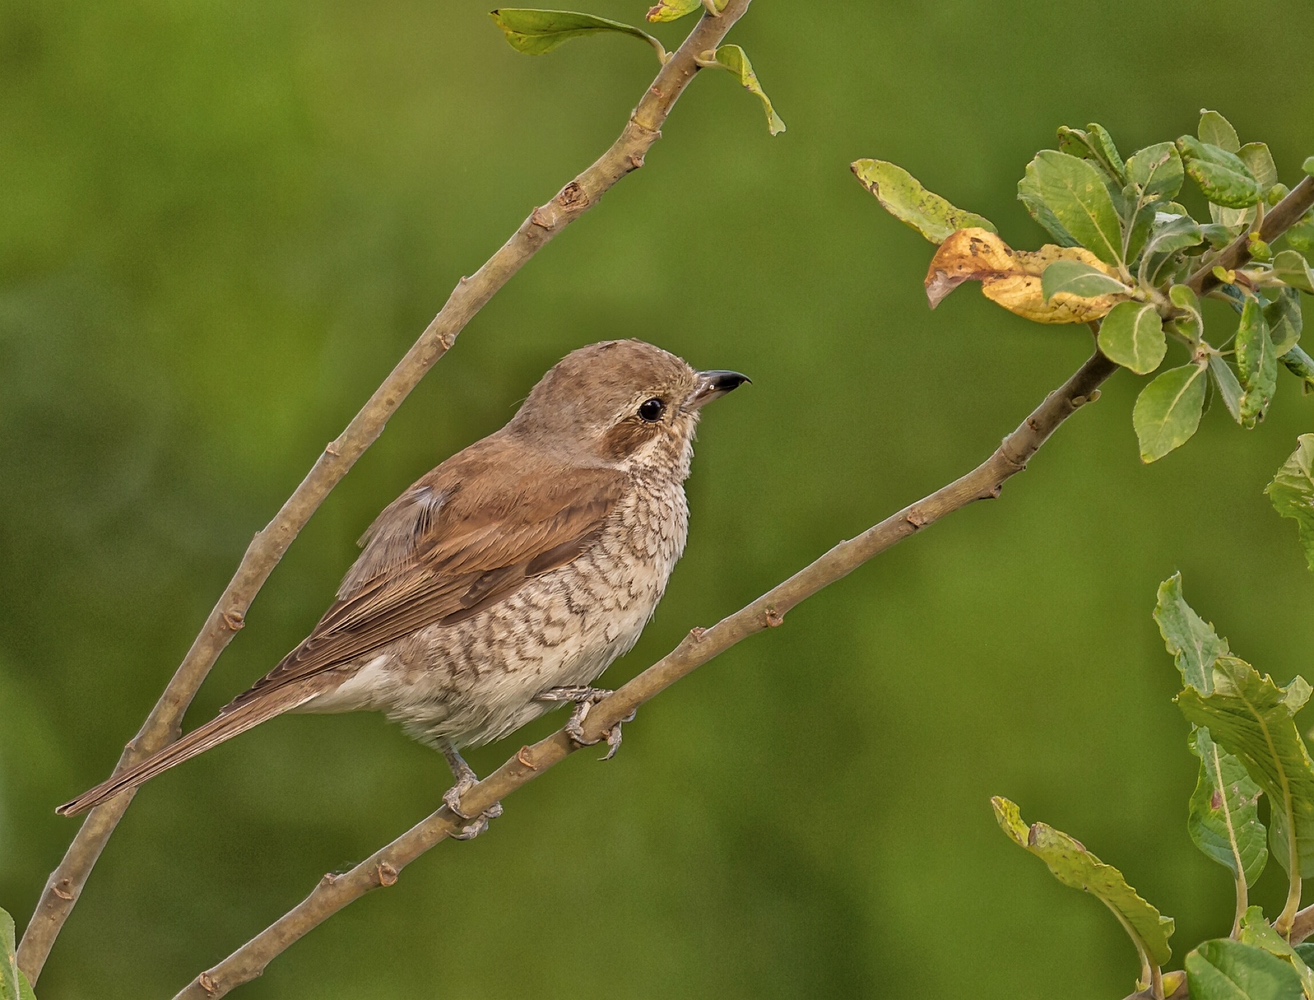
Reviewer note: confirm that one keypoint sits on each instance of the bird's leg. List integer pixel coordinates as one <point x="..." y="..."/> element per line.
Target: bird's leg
<point x="585" y="698"/>
<point x="466" y="779"/>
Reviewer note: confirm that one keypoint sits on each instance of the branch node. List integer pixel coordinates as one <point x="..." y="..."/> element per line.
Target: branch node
<point x="571" y="195"/>
<point x="522" y="755"/>
<point x="542" y="219"/>
<point x="332" y="448"/>
<point x="995" y="491"/>
<point x="207" y="983"/>
<point x="329" y="878"/>
<point x="774" y="619"/>
<point x="387" y="874"/>
<point x="696" y="633"/>
<point x="234" y="619"/>
<point x="917" y="519"/>
<point x="64" y="889"/>
<point x="635" y="161"/>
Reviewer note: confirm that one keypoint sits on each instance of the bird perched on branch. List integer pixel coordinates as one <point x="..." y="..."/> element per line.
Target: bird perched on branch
<point x="505" y="581"/>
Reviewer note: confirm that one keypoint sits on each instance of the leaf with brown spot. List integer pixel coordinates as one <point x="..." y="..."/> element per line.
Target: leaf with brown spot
<point x="1012" y="278"/>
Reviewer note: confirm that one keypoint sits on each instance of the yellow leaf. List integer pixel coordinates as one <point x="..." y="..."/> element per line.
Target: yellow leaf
<point x="1012" y="278"/>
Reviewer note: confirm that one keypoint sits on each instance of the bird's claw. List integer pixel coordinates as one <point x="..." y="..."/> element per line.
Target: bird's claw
<point x="474" y="825"/>
<point x="575" y="726"/>
<point x="466" y="779"/>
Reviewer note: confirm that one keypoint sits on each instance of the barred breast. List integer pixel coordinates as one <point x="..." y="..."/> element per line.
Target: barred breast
<point x="477" y="680"/>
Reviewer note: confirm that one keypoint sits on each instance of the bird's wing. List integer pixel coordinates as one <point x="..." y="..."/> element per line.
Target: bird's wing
<point x="454" y="544"/>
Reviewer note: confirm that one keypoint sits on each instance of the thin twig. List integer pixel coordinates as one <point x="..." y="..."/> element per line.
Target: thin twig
<point x="382" y="868"/>
<point x="268" y="547"/>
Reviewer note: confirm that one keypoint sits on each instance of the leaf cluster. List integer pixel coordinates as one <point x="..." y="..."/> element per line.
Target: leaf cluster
<point x="1124" y="255"/>
<point x="1245" y="736"/>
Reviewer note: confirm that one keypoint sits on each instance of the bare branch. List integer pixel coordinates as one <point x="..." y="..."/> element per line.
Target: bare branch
<point x="701" y="645"/>
<point x="162" y="726"/>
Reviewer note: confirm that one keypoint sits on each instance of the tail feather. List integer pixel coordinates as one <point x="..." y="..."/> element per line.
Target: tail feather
<point x="225" y="726"/>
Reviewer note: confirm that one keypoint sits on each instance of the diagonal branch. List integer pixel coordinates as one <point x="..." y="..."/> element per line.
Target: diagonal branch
<point x="334" y="892"/>
<point x="162" y="726"/>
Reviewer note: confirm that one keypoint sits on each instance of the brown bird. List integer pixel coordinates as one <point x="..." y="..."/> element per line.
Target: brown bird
<point x="505" y="581"/>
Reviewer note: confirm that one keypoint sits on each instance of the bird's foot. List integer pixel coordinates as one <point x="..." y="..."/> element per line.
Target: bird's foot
<point x="466" y="779"/>
<point x="585" y="698"/>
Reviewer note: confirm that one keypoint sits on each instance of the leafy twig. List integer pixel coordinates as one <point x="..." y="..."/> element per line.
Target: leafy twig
<point x="1284" y="215"/>
<point x="625" y="155"/>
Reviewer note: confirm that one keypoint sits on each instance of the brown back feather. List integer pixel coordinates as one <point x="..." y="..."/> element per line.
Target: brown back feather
<point x="461" y="539"/>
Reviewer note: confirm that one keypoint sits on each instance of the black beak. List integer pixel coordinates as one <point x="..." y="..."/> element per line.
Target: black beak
<point x="712" y="385"/>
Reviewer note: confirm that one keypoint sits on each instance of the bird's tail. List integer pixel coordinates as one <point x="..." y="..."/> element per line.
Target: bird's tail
<point x="232" y="721"/>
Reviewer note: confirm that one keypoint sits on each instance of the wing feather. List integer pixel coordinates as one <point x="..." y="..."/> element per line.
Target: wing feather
<point x="454" y="544"/>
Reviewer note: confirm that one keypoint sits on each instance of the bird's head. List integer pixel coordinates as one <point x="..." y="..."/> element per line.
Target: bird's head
<point x="623" y="403"/>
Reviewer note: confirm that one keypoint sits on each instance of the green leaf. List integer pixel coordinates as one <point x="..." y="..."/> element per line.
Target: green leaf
<point x="1221" y="175"/>
<point x="1225" y="380"/>
<point x="1300" y="365"/>
<point x="1218" y="131"/>
<point x="537" y="32"/>
<point x="903" y="196"/>
<point x="1300" y="237"/>
<point x="1172" y="233"/>
<point x="1094" y="144"/>
<point x="1107" y="152"/>
<point x="1284" y="320"/>
<point x="1190" y="324"/>
<point x="1234" y="220"/>
<point x="1292" y="493"/>
<point x="1224" y="814"/>
<point x="732" y="57"/>
<point x="1076" y="278"/>
<point x="1076" y="867"/>
<point x="1190" y="639"/>
<point x="673" y="10"/>
<point x="1068" y="197"/>
<point x="1308" y="165"/>
<point x="1217" y="235"/>
<point x="13" y="984"/>
<point x="1259" y="161"/>
<point x="1252" y="718"/>
<point x="1229" y="970"/>
<point x="1167" y="412"/>
<point x="1292" y="267"/>
<point x="1132" y="335"/>
<point x="1256" y="362"/>
<point x="1156" y="170"/>
<point x="1257" y="931"/>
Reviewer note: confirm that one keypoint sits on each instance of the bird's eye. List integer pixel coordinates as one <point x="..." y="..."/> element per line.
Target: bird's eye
<point x="651" y="410"/>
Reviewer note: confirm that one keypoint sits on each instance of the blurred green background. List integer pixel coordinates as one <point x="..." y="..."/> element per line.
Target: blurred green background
<point x="221" y="227"/>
